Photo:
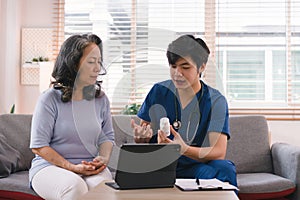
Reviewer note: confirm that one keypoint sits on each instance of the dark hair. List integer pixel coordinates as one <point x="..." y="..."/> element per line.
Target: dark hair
<point x="188" y="45"/>
<point x="67" y="65"/>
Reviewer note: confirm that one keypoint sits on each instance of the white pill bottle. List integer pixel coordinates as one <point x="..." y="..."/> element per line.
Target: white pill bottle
<point x="165" y="125"/>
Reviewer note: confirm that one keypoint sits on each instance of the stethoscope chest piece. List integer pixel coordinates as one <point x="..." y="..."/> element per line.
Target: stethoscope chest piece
<point x="177" y="124"/>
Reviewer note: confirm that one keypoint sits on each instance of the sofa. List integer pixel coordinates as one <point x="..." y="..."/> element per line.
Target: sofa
<point x="263" y="171"/>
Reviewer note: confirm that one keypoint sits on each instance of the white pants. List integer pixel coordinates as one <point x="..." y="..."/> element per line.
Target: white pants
<point x="55" y="183"/>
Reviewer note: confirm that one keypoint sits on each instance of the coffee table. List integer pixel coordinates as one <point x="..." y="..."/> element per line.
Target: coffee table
<point x="104" y="192"/>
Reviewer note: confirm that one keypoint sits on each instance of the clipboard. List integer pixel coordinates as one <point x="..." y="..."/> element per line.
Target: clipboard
<point x="203" y="185"/>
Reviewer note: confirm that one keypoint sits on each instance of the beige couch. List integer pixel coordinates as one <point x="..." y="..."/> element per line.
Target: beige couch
<point x="262" y="171"/>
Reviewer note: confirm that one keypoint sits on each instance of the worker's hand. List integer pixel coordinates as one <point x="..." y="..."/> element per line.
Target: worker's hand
<point x="143" y="133"/>
<point x="162" y="138"/>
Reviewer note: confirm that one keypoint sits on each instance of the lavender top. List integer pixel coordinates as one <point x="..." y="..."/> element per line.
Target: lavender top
<point x="74" y="129"/>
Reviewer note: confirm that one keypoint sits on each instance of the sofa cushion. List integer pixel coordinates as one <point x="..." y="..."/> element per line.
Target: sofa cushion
<point x="17" y="182"/>
<point x="10" y="158"/>
<point x="249" y="146"/>
<point x="16" y="130"/>
<point x="122" y="128"/>
<point x="264" y="185"/>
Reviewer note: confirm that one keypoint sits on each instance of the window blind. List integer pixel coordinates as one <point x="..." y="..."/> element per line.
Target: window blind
<point x="136" y="35"/>
<point x="293" y="27"/>
<point x="139" y="34"/>
<point x="59" y="25"/>
<point x="254" y="46"/>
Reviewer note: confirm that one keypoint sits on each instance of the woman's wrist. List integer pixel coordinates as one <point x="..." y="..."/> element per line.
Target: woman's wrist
<point x="68" y="166"/>
<point x="102" y="159"/>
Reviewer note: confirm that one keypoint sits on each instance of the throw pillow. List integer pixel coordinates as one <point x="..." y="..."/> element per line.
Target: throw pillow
<point x="9" y="158"/>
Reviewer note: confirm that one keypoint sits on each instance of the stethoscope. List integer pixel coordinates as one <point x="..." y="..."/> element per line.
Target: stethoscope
<point x="177" y="123"/>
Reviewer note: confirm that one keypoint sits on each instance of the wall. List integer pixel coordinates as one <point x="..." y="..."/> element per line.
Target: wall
<point x="9" y="52"/>
<point x="16" y="14"/>
<point x="285" y="131"/>
<point x="36" y="14"/>
<point x="1" y="56"/>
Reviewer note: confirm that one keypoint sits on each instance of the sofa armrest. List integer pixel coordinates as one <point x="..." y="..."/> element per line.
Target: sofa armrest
<point x="286" y="163"/>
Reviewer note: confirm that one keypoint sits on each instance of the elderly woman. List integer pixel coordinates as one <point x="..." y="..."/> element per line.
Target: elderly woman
<point x="72" y="134"/>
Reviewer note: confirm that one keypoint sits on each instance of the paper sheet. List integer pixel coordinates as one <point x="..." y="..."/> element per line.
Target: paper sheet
<point x="204" y="184"/>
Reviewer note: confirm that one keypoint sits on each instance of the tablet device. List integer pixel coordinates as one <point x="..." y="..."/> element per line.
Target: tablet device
<point x="143" y="166"/>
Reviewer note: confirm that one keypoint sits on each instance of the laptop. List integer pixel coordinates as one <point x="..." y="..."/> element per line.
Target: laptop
<point x="142" y="166"/>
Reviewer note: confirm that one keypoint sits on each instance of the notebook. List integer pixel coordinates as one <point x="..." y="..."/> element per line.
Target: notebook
<point x="142" y="166"/>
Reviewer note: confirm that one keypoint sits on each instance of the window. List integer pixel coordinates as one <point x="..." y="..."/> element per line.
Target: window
<point x="259" y="41"/>
<point x="136" y="35"/>
<point x="255" y="59"/>
<point x="245" y="75"/>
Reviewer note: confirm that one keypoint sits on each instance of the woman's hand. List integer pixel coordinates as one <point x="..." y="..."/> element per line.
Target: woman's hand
<point x="162" y="138"/>
<point x="93" y="167"/>
<point x="86" y="169"/>
<point x="98" y="164"/>
<point x="143" y="133"/>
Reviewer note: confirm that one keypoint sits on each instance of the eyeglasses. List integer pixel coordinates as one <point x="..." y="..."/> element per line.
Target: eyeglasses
<point x="102" y="69"/>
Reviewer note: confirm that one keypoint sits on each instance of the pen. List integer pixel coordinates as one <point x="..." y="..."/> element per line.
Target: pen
<point x="209" y="188"/>
<point x="197" y="181"/>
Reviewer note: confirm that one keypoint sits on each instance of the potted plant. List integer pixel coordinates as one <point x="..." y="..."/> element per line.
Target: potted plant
<point x="12" y="109"/>
<point x="40" y="59"/>
<point x="131" y="109"/>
